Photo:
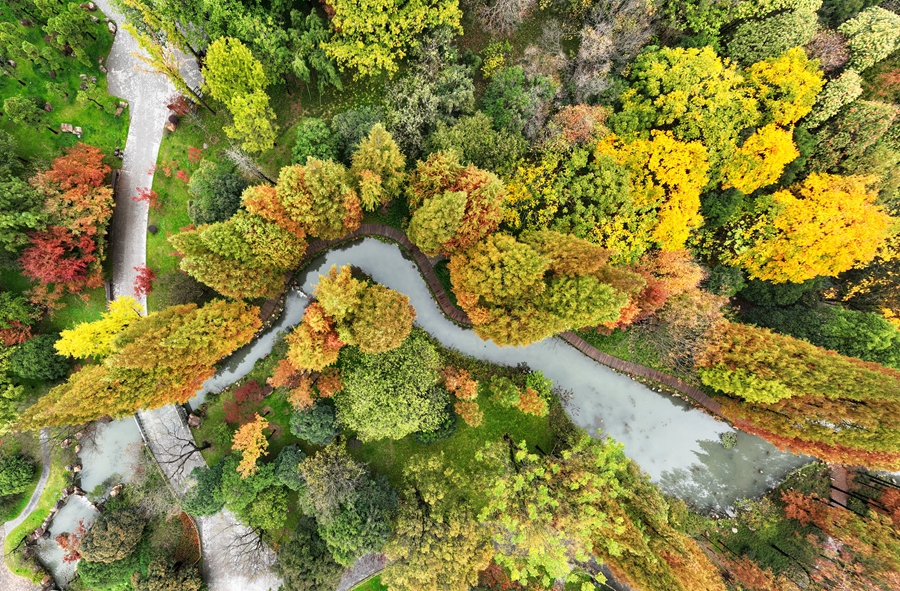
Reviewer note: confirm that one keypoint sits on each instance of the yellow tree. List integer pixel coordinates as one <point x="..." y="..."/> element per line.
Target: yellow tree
<point x="761" y="160"/>
<point x="667" y="176"/>
<point x="823" y="226"/>
<point x="250" y="440"/>
<point x="95" y="339"/>
<point x="785" y="86"/>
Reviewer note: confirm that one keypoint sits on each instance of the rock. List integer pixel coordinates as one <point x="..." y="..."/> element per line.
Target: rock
<point x="12" y="64"/>
<point x="112" y="27"/>
<point x="91" y="6"/>
<point x="103" y="69"/>
<point x="65" y="493"/>
<point x="734" y="530"/>
<point x="93" y="79"/>
<point x="68" y="468"/>
<point x="78" y="448"/>
<point x="118" y="113"/>
<point x="77" y="491"/>
<point x="77" y="131"/>
<point x="79" y="435"/>
<point x="729" y="511"/>
<point x="67" y="441"/>
<point x="123" y="104"/>
<point x="59" y="505"/>
<point x="94" y="19"/>
<point x="101" y="58"/>
<point x="47" y="579"/>
<point x="170" y="126"/>
<point x="76" y="469"/>
<point x="26" y="23"/>
<point x="83" y="76"/>
<point x="53" y="73"/>
<point x="83" y="85"/>
<point x="193" y="421"/>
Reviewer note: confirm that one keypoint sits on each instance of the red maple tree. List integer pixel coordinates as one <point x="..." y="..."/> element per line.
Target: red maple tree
<point x="143" y="281"/>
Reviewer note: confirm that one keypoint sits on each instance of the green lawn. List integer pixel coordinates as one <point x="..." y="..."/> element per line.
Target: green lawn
<point x="373" y="584"/>
<point x="75" y="308"/>
<point x="626" y="345"/>
<point x="100" y="127"/>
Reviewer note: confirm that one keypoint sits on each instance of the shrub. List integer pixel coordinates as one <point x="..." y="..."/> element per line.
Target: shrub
<point x="286" y="468"/>
<point x="445" y="430"/>
<point x="113" y="536"/>
<point x="530" y="402"/>
<point x="841" y="143"/>
<point x="305" y="563"/>
<point x="725" y="281"/>
<point x="174" y="288"/>
<point x="316" y="425"/>
<point x="206" y="498"/>
<point x="15" y="474"/>
<point x="352" y="126"/>
<point x="518" y="103"/>
<point x="504" y="391"/>
<point x="830" y="48"/>
<point x="763" y="293"/>
<point x="37" y="359"/>
<point x="314" y="140"/>
<point x="217" y="193"/>
<point x="476" y="142"/>
<point x="728" y="439"/>
<point x="470" y="412"/>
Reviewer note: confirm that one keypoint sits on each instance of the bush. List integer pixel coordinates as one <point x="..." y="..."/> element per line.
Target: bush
<point x="444" y="431"/>
<point x="206" y="497"/>
<point x="37" y="359"/>
<point x="504" y="391"/>
<point x="174" y="288"/>
<point x="728" y="439"/>
<point x="217" y="193"/>
<point x="15" y="475"/>
<point x="754" y="41"/>
<point x="352" y="126"/>
<point x="316" y="425"/>
<point x="476" y="142"/>
<point x="114" y="576"/>
<point x="518" y="103"/>
<point x="763" y="293"/>
<point x="114" y="536"/>
<point x="314" y="140"/>
<point x="286" y="468"/>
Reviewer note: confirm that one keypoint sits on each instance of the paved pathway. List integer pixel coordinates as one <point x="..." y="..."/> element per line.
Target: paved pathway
<point x="9" y="581"/>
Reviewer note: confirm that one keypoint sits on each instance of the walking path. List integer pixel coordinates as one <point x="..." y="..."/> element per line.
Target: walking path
<point x="9" y="581"/>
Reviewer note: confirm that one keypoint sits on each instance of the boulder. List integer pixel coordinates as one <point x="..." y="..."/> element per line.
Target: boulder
<point x="112" y="27"/>
<point x="48" y="107"/>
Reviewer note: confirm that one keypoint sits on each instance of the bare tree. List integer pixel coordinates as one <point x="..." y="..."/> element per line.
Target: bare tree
<point x="830" y="48"/>
<point x="244" y="162"/>
<point x="503" y="17"/>
<point x="177" y="452"/>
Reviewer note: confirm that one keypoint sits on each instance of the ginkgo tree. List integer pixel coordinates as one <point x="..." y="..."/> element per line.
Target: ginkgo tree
<point x="250" y="439"/>
<point x="95" y="339"/>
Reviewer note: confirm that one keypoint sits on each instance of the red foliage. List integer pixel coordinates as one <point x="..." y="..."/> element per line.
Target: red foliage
<point x="890" y="500"/>
<point x="149" y="195"/>
<point x="81" y="166"/>
<point x="495" y="578"/>
<point x="16" y="334"/>
<point x="240" y="408"/>
<point x="530" y="402"/>
<point x="179" y="105"/>
<point x="143" y="281"/>
<point x="460" y="383"/>
<point x="580" y="123"/>
<point x="329" y="382"/>
<point x="802" y="508"/>
<point x="285" y="375"/>
<point x="69" y="542"/>
<point x="56" y="256"/>
<point x="182" y="176"/>
<point x="194" y="155"/>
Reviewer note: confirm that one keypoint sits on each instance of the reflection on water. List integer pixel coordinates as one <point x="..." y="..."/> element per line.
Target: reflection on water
<point x="676" y="444"/>
<point x="76" y="511"/>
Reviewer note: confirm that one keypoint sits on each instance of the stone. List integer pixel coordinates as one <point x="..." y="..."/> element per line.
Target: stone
<point x="93" y="79"/>
<point x="103" y="69"/>
<point x="91" y="6"/>
<point x="68" y="468"/>
<point x="118" y="112"/>
<point x="48" y="107"/>
<point x="12" y="64"/>
<point x="76" y="469"/>
<point x="83" y="85"/>
<point x="79" y="435"/>
<point x="123" y="104"/>
<point x="83" y="76"/>
<point x="26" y="23"/>
<point x="193" y="421"/>
<point x="112" y="27"/>
<point x="77" y="131"/>
<point x="78" y="448"/>
<point x="170" y="126"/>
<point x="67" y="442"/>
<point x="94" y="19"/>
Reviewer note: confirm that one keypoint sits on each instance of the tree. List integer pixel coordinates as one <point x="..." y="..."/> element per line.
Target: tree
<point x="352" y="126"/>
<point x="758" y="39"/>
<point x="475" y="141"/>
<point x="21" y="212"/>
<point x="305" y="562"/>
<point x="760" y="161"/>
<point x="382" y="321"/>
<point x="164" y="574"/>
<point x="786" y="86"/>
<point x="95" y="339"/>
<point x="55" y="255"/>
<point x="250" y="439"/>
<point x="314" y="344"/>
<point x="315" y="425"/>
<point x="454" y="207"/>
<point x="378" y="168"/>
<point x="437" y="543"/>
<point x="287" y="468"/>
<point x="823" y="226"/>
<point x="872" y="36"/>
<point x="309" y="33"/>
<point x="370" y="43"/>
<point x="17" y="315"/>
<point x="352" y="510"/>
<point x="517" y="102"/>
<point x="392" y="394"/>
<point x="253" y="125"/>
<point x="114" y="536"/>
<point x="161" y="359"/>
<point x="70" y="29"/>
<point x="269" y="509"/>
<point x="217" y="193"/>
<point x="36" y="359"/>
<point x="16" y="472"/>
<point x="270" y="243"/>
<point x="314" y="140"/>
<point x="205" y="497"/>
<point x="230" y="71"/>
<point x="842" y="142"/>
<point x="23" y="110"/>
<point x="320" y="197"/>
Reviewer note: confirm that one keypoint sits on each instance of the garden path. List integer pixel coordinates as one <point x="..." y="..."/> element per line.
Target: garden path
<point x="9" y="581"/>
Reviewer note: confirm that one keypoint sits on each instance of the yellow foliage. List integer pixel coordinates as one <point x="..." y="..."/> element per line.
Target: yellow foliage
<point x="251" y="441"/>
<point x="95" y="339"/>
<point x="667" y="176"/>
<point x="786" y="86"/>
<point x="823" y="226"/>
<point x="761" y="160"/>
<point x="531" y="197"/>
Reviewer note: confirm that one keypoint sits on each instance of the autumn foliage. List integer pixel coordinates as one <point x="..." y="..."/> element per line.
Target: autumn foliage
<point x="250" y="440"/>
<point x="143" y="281"/>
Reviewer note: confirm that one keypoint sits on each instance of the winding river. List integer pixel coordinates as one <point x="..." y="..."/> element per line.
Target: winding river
<point x="673" y="442"/>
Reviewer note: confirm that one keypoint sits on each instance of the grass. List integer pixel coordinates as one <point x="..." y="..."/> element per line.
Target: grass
<point x="100" y="127"/>
<point x="55" y="483"/>
<point x="373" y="584"/>
<point x="627" y="345"/>
<point x="75" y="308"/>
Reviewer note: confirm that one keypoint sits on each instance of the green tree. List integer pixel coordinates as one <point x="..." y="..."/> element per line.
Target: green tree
<point x="392" y="394"/>
<point x="16" y="472"/>
<point x="873" y="35"/>
<point x="842" y="142"/>
<point x="269" y="510"/>
<point x="253" y="119"/>
<point x="309" y="33"/>
<point x="381" y="323"/>
<point x="164" y="574"/>
<point x="305" y="563"/>
<point x="24" y="110"/>
<point x="756" y="40"/>
<point x="320" y="197"/>
<point x="114" y="536"/>
<point x="378" y="168"/>
<point x="230" y="71"/>
<point x="70" y="28"/>
<point x="205" y="497"/>
<point x="437" y="543"/>
<point x="217" y="191"/>
<point x="838" y="93"/>
<point x="287" y="468"/>
<point x="314" y="140"/>
<point x="372" y="37"/>
<point x="475" y="141"/>
<point x="21" y="212"/>
<point x="315" y="425"/>
<point x="352" y="126"/>
<point x="515" y="101"/>
<point x="37" y="359"/>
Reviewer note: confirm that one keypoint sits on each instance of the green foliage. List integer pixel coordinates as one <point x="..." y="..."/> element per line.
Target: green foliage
<point x="269" y="510"/>
<point x="873" y="35"/>
<point x="378" y="168"/>
<point x="756" y="40"/>
<point x="841" y="143"/>
<point x="230" y="70"/>
<point x="252" y="125"/>
<point x="21" y="212"/>
<point x="217" y="191"/>
<point x="392" y="394"/>
<point x="352" y="126"/>
<point x="309" y="34"/>
<point x="314" y="140"/>
<point x="205" y="498"/>
<point x="725" y="281"/>
<point x="16" y="472"/>
<point x="763" y="293"/>
<point x="24" y="110"/>
<point x="475" y="141"/>
<point x="504" y="391"/>
<point x="240" y="492"/>
<point x="863" y="335"/>
<point x="835" y="12"/>
<point x="164" y="574"/>
<point x="315" y="425"/>
<point x="838" y="93"/>
<point x="320" y="197"/>
<point x="305" y="563"/>
<point x="287" y="472"/>
<point x="100" y="576"/>
<point x="516" y="102"/>
<point x="114" y="536"/>
<point x="37" y="359"/>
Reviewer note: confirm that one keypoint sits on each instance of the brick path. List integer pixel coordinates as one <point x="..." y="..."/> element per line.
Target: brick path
<point x="317" y="247"/>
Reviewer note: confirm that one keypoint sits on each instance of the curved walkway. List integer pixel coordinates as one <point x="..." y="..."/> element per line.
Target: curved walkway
<point x="317" y="247"/>
<point x="9" y="581"/>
